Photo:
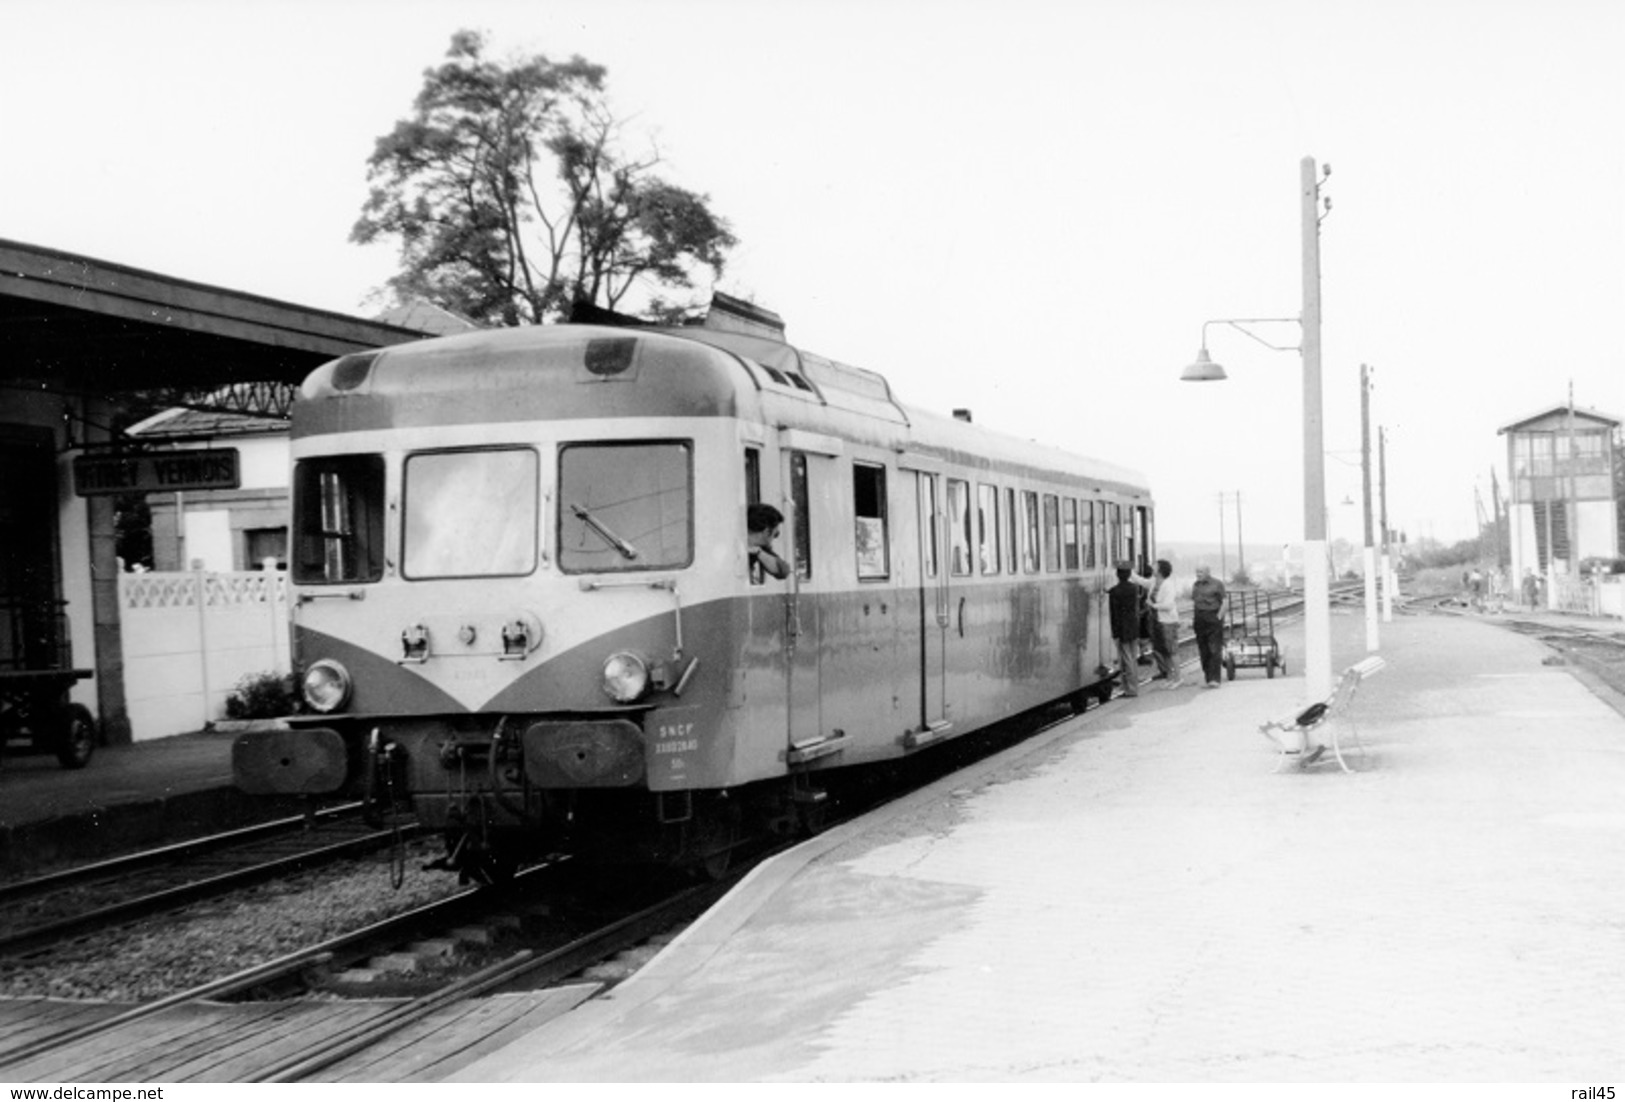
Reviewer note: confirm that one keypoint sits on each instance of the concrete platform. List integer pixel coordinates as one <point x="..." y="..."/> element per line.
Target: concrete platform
<point x="144" y="794"/>
<point x="1139" y="897"/>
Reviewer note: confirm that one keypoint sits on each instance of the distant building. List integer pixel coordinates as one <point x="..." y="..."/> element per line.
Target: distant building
<point x="1563" y="507"/>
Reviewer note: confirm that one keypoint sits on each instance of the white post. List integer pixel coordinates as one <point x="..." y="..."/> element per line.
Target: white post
<point x="1387" y="557"/>
<point x="202" y="593"/>
<point x="279" y="616"/>
<point x="1370" y="562"/>
<point x="1317" y="664"/>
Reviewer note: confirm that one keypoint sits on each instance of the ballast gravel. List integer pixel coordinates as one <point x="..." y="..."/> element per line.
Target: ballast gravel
<point x="160" y="956"/>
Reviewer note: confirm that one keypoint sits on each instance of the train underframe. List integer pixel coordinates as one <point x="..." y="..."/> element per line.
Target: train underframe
<point x="481" y="790"/>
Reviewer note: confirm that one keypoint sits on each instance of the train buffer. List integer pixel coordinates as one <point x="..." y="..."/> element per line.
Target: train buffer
<point x="1304" y="739"/>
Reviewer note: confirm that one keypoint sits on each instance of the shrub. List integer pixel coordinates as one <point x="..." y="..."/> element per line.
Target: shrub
<point x="263" y="696"/>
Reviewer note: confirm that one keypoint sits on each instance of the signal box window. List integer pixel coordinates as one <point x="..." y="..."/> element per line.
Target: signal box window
<point x="959" y="525"/>
<point x="869" y="510"/>
<point x="987" y="528"/>
<point x="470" y="514"/>
<point x="338" y="519"/>
<point x="625" y="506"/>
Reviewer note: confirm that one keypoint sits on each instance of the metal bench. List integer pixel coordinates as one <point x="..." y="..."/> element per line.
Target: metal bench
<point x="1296" y="739"/>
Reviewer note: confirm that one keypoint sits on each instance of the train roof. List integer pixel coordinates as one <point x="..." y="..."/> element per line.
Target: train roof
<point x="579" y="371"/>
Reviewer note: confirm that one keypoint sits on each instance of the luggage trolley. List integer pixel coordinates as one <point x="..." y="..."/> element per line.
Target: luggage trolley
<point x="36" y="715"/>
<point x="1249" y="638"/>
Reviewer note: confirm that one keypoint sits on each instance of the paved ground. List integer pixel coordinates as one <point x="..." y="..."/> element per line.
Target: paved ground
<point x="128" y="797"/>
<point x="1140" y="898"/>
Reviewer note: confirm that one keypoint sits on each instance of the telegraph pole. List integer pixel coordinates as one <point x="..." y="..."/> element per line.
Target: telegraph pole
<point x="1365" y="483"/>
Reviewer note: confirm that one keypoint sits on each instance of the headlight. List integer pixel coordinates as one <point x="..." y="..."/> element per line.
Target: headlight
<point x="326" y="686"/>
<point x="625" y="677"/>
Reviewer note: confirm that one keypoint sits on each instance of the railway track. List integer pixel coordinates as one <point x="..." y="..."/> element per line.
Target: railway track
<point x="37" y="913"/>
<point x="109" y="1043"/>
<point x="537" y="946"/>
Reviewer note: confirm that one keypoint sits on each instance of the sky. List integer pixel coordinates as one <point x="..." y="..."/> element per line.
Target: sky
<point x="1026" y="208"/>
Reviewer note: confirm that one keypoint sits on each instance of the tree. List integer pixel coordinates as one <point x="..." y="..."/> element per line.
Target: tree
<point x="512" y="198"/>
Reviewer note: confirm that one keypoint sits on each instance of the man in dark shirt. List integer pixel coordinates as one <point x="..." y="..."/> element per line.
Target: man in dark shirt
<point x="1123" y="601"/>
<point x="1207" y="598"/>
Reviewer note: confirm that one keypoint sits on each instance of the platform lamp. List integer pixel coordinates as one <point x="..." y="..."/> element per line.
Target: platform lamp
<point x="1317" y="662"/>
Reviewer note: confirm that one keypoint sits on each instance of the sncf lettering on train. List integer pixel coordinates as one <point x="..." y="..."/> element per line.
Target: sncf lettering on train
<point x="676" y="738"/>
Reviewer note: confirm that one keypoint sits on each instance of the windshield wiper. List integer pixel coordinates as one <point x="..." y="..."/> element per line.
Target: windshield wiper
<point x="626" y="549"/>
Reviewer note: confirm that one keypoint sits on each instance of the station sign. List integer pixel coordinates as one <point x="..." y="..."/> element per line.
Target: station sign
<point x="175" y="471"/>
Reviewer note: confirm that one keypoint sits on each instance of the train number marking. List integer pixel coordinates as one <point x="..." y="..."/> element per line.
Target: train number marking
<point x="674" y="738"/>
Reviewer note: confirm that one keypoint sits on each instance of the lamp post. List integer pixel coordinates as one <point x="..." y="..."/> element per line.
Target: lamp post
<point x="1317" y="664"/>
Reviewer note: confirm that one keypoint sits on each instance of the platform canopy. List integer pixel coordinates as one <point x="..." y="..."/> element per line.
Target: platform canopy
<point x="75" y="325"/>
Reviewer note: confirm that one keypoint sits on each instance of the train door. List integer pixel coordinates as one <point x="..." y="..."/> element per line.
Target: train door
<point x="925" y="488"/>
<point x="801" y="619"/>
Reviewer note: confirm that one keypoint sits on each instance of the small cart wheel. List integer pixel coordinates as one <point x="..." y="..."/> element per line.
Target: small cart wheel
<point x="1230" y="668"/>
<point x="1269" y="668"/>
<point x="75" y="737"/>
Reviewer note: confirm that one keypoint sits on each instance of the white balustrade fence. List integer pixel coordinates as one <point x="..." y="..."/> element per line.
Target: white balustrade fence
<point x="190" y="637"/>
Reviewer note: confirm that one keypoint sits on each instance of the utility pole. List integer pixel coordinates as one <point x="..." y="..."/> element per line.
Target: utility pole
<point x="1387" y="561"/>
<point x="1317" y="611"/>
<point x="1241" y="548"/>
<point x="1370" y="561"/>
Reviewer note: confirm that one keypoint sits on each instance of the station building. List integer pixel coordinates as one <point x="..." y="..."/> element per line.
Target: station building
<point x="82" y="342"/>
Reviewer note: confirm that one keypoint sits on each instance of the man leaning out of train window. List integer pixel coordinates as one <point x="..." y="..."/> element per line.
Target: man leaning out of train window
<point x="762" y="522"/>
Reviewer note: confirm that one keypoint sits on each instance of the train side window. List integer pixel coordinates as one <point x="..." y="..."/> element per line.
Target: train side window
<point x="1069" y="533"/>
<point x="800" y="501"/>
<point x="1114" y="538"/>
<point x="753" y="476"/>
<point x="625" y="505"/>
<point x="869" y="516"/>
<point x="987" y="527"/>
<point x="928" y="523"/>
<point x="1029" y="531"/>
<point x="1090" y="538"/>
<point x="959" y="526"/>
<point x="1052" y="533"/>
<point x="1009" y="537"/>
<point x="338" y="519"/>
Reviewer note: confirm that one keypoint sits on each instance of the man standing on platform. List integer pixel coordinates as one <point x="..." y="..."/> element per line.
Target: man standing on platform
<point x="1207" y="598"/>
<point x="1123" y="601"/>
<point x="1165" y="640"/>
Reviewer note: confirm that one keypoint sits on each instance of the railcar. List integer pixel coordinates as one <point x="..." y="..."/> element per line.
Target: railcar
<point x="524" y="604"/>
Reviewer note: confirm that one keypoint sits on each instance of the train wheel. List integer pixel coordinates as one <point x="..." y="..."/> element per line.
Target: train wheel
<point x="76" y="737"/>
<point x="716" y="833"/>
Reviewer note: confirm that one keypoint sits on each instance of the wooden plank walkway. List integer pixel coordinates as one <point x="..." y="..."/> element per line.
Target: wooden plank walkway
<point x="206" y="1042"/>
